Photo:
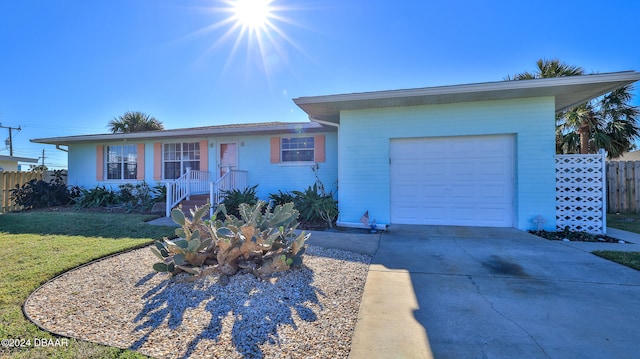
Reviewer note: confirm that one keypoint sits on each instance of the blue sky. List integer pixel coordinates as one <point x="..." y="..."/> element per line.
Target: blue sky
<point x="69" y="66"/>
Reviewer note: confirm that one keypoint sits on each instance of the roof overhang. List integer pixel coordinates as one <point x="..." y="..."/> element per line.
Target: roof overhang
<point x="196" y="132"/>
<point x="18" y="159"/>
<point x="568" y="92"/>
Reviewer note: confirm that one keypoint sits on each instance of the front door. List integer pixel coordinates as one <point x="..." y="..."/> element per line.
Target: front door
<point x="228" y="157"/>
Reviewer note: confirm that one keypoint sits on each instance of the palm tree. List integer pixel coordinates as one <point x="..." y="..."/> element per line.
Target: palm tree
<point x="134" y="121"/>
<point x="607" y="122"/>
<point x="549" y="68"/>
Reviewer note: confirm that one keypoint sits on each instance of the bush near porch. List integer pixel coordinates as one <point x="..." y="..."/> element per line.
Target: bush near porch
<point x="318" y="209"/>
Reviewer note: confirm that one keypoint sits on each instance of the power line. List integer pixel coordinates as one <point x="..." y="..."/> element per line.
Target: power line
<point x="10" y="139"/>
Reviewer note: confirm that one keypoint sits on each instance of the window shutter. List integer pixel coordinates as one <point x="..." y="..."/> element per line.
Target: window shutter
<point x="275" y="150"/>
<point x="100" y="162"/>
<point x="204" y="155"/>
<point x="140" y="162"/>
<point x="318" y="150"/>
<point x="157" y="161"/>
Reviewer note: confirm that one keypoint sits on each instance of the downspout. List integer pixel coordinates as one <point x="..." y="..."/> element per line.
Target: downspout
<point x="61" y="149"/>
<point x="322" y="122"/>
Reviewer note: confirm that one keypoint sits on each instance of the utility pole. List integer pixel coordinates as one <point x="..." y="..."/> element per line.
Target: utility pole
<point x="10" y="137"/>
<point x="43" y="158"/>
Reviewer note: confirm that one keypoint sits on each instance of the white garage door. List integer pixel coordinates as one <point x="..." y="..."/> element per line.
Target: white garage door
<point x="465" y="181"/>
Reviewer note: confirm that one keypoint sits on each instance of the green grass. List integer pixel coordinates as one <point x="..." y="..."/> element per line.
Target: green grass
<point x="628" y="222"/>
<point x="629" y="259"/>
<point x="625" y="221"/>
<point x="36" y="246"/>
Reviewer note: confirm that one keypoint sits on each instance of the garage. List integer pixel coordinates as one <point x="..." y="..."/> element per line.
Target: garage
<point x="462" y="180"/>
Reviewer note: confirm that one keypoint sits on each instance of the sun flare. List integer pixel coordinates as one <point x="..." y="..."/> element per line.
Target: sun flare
<point x="255" y="28"/>
<point x="252" y="14"/>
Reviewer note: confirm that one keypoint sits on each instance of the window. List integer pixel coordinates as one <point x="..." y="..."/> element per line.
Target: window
<point x="178" y="156"/>
<point x="122" y="162"/>
<point x="297" y="149"/>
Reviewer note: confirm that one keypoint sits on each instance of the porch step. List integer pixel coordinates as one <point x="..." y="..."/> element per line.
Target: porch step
<point x="196" y="200"/>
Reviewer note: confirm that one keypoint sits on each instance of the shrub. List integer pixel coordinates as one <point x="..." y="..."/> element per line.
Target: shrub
<point x="160" y="193"/>
<point x="100" y="196"/>
<point x="281" y="198"/>
<point x="314" y="206"/>
<point x="136" y="197"/>
<point x="41" y="194"/>
<point x="260" y="241"/>
<point x="233" y="199"/>
<point x="130" y="197"/>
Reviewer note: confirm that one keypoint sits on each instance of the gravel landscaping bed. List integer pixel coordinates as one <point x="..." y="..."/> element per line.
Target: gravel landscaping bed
<point x="309" y="312"/>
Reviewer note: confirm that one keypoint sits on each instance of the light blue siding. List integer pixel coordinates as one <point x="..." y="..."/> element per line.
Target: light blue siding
<point x="272" y="177"/>
<point x="364" y="151"/>
<point x="253" y="157"/>
<point x="82" y="165"/>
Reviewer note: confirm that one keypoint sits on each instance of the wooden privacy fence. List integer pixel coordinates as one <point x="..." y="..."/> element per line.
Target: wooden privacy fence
<point x="8" y="181"/>
<point x="623" y="186"/>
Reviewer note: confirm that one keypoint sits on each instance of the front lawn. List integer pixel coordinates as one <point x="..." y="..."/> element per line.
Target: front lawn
<point x="625" y="221"/>
<point x="38" y="245"/>
<point x="629" y="259"/>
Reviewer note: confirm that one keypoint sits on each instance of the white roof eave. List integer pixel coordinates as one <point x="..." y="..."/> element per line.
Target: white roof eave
<point x="568" y="92"/>
<point x="18" y="159"/>
<point x="187" y="133"/>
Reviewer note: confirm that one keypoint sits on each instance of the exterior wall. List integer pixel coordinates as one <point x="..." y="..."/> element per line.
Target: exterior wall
<point x="253" y="157"/>
<point x="9" y="165"/>
<point x="364" y="151"/>
<point x="82" y="165"/>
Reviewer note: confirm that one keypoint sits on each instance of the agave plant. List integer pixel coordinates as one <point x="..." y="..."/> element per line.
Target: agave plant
<point x="261" y="241"/>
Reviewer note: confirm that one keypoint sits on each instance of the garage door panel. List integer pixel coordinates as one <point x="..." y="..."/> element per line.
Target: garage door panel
<point x="462" y="213"/>
<point x="463" y="168"/>
<point x="437" y="213"/>
<point x="493" y="191"/>
<point x="429" y="194"/>
<point x="494" y="214"/>
<point x="453" y="180"/>
<point x="498" y="168"/>
<point x="462" y="192"/>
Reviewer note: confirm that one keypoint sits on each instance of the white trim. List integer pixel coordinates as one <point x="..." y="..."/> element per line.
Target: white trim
<point x="218" y="153"/>
<point x="201" y="132"/>
<point x="18" y="159"/>
<point x="162" y="160"/>
<point x="568" y="91"/>
<point x="105" y="163"/>
<point x="302" y="135"/>
<point x="327" y="123"/>
<point x="474" y="87"/>
<point x="296" y="164"/>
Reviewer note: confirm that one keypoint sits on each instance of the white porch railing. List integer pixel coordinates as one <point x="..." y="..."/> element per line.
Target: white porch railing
<point x="191" y="182"/>
<point x="233" y="179"/>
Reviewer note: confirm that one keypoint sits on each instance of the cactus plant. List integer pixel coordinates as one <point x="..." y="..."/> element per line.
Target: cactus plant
<point x="261" y="241"/>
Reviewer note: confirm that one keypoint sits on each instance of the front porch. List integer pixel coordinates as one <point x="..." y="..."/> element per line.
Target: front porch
<point x="199" y="183"/>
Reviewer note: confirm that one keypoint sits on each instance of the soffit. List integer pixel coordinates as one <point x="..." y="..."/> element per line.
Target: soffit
<point x="568" y="92"/>
<point x="195" y="132"/>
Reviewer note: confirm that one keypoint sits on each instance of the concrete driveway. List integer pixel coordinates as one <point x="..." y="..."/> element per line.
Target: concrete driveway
<point x="454" y="292"/>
